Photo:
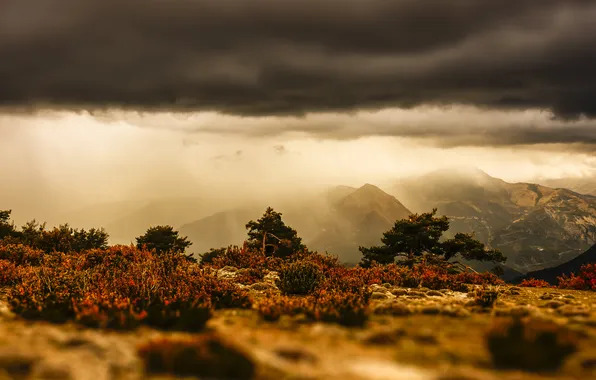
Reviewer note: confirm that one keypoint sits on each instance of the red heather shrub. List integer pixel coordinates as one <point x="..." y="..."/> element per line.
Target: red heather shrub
<point x="345" y="308"/>
<point x="584" y="280"/>
<point x="433" y="277"/>
<point x="534" y="283"/>
<point x="242" y="258"/>
<point x="324" y="261"/>
<point x="271" y="309"/>
<point x="342" y="279"/>
<point x="20" y="254"/>
<point x="223" y="294"/>
<point x="472" y="278"/>
<point x="47" y="292"/>
<point x="123" y="288"/>
<point x="245" y="258"/>
<point x="249" y="276"/>
<point x="393" y="274"/>
<point x="9" y="273"/>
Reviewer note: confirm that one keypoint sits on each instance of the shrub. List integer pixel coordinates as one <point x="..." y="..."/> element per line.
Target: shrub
<point x="208" y="257"/>
<point x="271" y="309"/>
<point x="472" y="278"/>
<point x="486" y="296"/>
<point x="584" y="280"/>
<point x="534" y="283"/>
<point x="20" y="254"/>
<point x="123" y="288"/>
<point x="225" y="294"/>
<point x="345" y="308"/>
<point x="204" y="356"/>
<point x="9" y="274"/>
<point x="531" y="345"/>
<point x="301" y="277"/>
<point x="249" y="276"/>
<point x="241" y="258"/>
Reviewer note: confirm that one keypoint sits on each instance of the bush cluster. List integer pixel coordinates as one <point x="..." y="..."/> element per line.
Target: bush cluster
<point x="300" y="277"/>
<point x="534" y="283"/>
<point x="584" y="280"/>
<point x="121" y="287"/>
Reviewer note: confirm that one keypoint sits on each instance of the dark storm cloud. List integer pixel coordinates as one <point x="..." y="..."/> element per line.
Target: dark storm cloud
<point x="259" y="57"/>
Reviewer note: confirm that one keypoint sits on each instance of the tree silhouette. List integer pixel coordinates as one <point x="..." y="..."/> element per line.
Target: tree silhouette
<point x="272" y="236"/>
<point x="6" y="227"/>
<point x="421" y="234"/>
<point x="163" y="239"/>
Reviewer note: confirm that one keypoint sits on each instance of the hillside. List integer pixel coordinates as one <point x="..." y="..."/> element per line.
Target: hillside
<point x="358" y="219"/>
<point x="534" y="225"/>
<point x="572" y="266"/>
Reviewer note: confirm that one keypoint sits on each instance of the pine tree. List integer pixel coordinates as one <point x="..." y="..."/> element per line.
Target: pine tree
<point x="272" y="236"/>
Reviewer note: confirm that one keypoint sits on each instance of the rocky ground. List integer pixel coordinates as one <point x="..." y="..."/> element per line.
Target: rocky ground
<point x="412" y="334"/>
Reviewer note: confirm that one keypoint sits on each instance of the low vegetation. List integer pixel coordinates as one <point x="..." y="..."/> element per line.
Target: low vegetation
<point x="584" y="280"/>
<point x="69" y="275"/>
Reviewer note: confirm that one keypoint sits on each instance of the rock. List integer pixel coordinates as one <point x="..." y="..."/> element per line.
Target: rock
<point x="416" y="294"/>
<point x="394" y="308"/>
<point x="227" y="272"/>
<point x="380" y="296"/>
<point x="262" y="286"/>
<point x="435" y="293"/>
<point x="229" y="268"/>
<point x="399" y="292"/>
<point x="271" y="276"/>
<point x="547" y="296"/>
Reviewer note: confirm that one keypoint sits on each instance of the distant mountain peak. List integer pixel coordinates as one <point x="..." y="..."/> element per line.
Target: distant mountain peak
<point x="371" y="188"/>
<point x="369" y="197"/>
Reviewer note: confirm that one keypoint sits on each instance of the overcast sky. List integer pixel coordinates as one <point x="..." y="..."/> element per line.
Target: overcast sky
<point x="114" y="99"/>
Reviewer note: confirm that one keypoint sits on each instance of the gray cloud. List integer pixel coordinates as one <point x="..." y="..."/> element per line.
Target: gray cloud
<point x="263" y="57"/>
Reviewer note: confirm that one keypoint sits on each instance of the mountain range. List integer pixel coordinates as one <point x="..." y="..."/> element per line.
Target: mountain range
<point x="572" y="266"/>
<point x="533" y="225"/>
<point x="582" y="185"/>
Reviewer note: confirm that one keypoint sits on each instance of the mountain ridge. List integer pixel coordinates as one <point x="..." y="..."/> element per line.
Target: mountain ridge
<point x="535" y="226"/>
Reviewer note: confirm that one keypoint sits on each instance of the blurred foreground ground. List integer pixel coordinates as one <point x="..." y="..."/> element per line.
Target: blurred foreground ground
<point x="412" y="334"/>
